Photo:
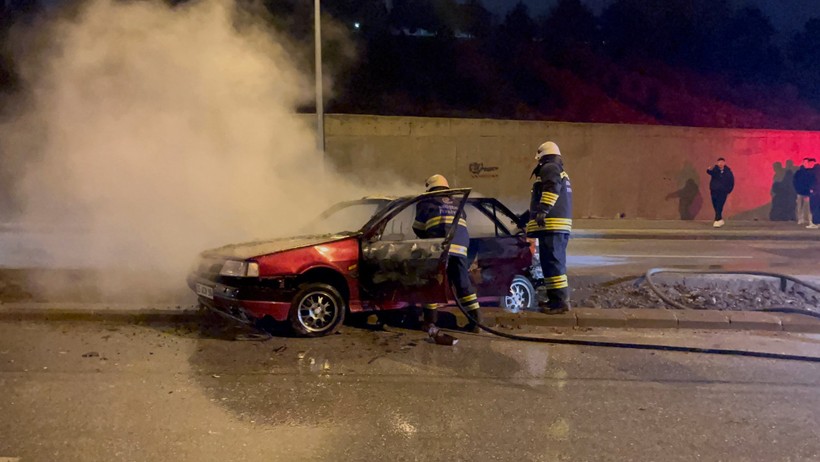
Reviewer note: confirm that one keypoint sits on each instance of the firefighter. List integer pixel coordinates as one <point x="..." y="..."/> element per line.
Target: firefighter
<point x="434" y="216"/>
<point x="549" y="219"/>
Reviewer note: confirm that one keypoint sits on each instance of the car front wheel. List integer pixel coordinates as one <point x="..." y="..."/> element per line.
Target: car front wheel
<point x="521" y="296"/>
<point x="317" y="310"/>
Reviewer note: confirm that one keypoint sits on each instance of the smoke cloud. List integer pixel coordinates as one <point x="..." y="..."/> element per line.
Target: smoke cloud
<point x="150" y="133"/>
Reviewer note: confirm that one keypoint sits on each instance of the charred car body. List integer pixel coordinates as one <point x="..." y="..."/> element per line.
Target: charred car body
<point x="313" y="281"/>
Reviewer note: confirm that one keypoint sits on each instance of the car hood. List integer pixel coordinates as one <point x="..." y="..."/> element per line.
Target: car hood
<point x="247" y="250"/>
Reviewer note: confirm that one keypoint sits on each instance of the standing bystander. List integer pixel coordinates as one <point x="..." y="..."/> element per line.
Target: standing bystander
<point x="804" y="180"/>
<point x="721" y="185"/>
<point x="814" y="200"/>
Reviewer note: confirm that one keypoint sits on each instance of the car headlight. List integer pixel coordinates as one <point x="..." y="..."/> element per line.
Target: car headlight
<point x="240" y="269"/>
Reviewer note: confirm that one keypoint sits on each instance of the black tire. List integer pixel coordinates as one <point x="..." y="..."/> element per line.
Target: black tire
<point x="306" y="321"/>
<point x="521" y="296"/>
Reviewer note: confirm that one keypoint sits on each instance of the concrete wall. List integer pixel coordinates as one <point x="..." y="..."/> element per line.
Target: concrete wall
<point x="650" y="172"/>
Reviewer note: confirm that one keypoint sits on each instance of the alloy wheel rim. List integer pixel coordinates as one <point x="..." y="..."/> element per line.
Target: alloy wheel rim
<point x="317" y="312"/>
<point x="518" y="298"/>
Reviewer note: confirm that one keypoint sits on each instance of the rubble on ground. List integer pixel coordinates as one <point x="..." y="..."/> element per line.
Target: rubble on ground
<point x="713" y="295"/>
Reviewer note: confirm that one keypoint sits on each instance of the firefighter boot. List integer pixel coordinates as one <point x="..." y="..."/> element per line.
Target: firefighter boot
<point x="558" y="302"/>
<point x="556" y="308"/>
<point x="541" y="297"/>
<point x="473" y="326"/>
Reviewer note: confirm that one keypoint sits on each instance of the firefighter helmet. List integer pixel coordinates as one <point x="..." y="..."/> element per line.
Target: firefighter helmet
<point x="436" y="181"/>
<point x="546" y="149"/>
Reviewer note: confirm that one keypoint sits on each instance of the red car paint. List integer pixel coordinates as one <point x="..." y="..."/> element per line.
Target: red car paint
<point x="341" y="256"/>
<point x="254" y="308"/>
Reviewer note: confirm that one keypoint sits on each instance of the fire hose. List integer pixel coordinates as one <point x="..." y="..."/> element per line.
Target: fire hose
<point x="655" y="347"/>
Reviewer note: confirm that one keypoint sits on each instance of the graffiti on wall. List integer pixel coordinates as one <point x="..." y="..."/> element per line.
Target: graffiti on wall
<point x="479" y="170"/>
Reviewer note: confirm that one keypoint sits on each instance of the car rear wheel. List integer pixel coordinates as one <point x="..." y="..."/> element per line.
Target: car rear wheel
<point x="317" y="310"/>
<point x="521" y="296"/>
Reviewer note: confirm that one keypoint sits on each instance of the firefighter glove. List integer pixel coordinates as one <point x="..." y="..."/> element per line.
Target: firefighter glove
<point x="540" y="219"/>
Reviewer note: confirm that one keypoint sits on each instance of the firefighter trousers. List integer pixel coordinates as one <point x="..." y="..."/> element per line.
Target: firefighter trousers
<point x="459" y="275"/>
<point x="553" y="253"/>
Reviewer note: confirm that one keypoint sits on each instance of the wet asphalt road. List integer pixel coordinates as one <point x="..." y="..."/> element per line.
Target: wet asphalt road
<point x="635" y="256"/>
<point x="177" y="393"/>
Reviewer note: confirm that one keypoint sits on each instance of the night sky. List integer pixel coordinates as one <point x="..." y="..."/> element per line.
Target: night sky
<point x="786" y="15"/>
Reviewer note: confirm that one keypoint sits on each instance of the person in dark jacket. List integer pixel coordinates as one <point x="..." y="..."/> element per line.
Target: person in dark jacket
<point x="434" y="217"/>
<point x="549" y="219"/>
<point x="814" y="198"/>
<point x="803" y="183"/>
<point x="721" y="185"/>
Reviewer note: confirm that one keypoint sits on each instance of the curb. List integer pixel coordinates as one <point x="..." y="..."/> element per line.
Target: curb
<point x="650" y="318"/>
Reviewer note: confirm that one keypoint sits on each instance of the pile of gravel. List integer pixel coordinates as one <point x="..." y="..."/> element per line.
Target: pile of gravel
<point x="730" y="295"/>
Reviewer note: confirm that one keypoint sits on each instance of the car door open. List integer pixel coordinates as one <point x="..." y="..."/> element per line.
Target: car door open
<point x="499" y="254"/>
<point x="397" y="265"/>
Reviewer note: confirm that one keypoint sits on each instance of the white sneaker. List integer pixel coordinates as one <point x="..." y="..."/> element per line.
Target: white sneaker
<point x="813" y="226"/>
<point x="719" y="224"/>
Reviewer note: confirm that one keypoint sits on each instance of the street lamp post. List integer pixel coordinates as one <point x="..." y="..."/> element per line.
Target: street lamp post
<point x="320" y="104"/>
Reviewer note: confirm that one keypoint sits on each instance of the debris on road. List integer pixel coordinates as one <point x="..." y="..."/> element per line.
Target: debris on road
<point x="441" y="338"/>
<point x="409" y="345"/>
<point x="91" y="354"/>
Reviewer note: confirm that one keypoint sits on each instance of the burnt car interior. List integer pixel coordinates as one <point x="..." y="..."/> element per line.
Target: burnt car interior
<point x="396" y="265"/>
<point x="486" y="217"/>
<point x="400" y="266"/>
<point x="347" y="216"/>
<point x="497" y="252"/>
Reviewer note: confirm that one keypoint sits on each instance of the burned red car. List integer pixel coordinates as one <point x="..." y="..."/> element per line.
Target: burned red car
<point x="373" y="262"/>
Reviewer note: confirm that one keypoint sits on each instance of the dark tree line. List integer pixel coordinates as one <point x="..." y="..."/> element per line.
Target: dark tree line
<point x="680" y="62"/>
<point x="686" y="62"/>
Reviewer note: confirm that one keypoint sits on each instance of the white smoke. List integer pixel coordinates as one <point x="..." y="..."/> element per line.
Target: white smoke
<point x="160" y="131"/>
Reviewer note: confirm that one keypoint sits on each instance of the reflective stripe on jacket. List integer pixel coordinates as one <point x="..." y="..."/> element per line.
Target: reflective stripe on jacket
<point x="551" y="194"/>
<point x="434" y="216"/>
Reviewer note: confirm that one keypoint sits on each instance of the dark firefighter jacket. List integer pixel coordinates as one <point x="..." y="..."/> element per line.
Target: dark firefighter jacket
<point x="721" y="182"/>
<point x="552" y="195"/>
<point x="435" y="215"/>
